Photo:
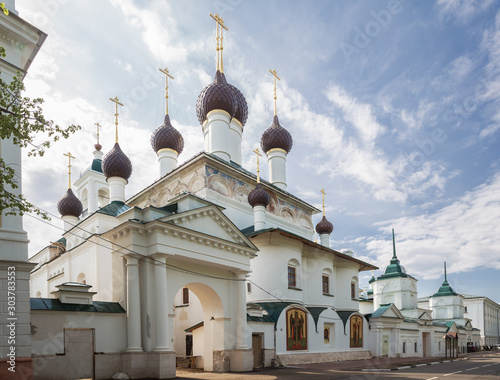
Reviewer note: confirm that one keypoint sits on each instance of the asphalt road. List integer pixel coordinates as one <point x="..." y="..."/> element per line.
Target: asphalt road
<point x="485" y="367"/>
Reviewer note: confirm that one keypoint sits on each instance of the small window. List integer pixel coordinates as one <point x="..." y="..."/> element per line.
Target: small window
<point x="353" y="291"/>
<point x="326" y="285"/>
<point x="249" y="287"/>
<point x="439" y="346"/>
<point x="415" y="346"/>
<point x="185" y="296"/>
<point x="292" y="278"/>
<point x="404" y="347"/>
<point x="465" y="309"/>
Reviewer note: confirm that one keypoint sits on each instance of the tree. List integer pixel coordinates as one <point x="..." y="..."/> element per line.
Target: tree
<point x="22" y="120"/>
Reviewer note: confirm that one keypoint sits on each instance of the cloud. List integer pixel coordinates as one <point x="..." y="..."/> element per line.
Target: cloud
<point x="462" y="10"/>
<point x="466" y="232"/>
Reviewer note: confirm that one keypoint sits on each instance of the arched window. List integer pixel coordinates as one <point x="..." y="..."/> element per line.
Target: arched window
<point x="354" y="288"/>
<point x="293" y="271"/>
<point x="326" y="281"/>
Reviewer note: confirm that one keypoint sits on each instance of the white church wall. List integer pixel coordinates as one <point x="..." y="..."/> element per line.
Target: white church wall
<point x="186" y="315"/>
<point x="48" y="330"/>
<point x="344" y="276"/>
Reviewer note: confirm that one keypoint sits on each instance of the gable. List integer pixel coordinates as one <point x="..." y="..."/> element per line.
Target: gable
<point x="425" y="316"/>
<point x="209" y="220"/>
<point x="387" y="311"/>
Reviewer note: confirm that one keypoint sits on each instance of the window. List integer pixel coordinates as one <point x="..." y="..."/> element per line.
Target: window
<point x="326" y="284"/>
<point x="439" y="346"/>
<point x="292" y="278"/>
<point x="415" y="346"/>
<point x="404" y="347"/>
<point x="249" y="287"/>
<point x="353" y="290"/>
<point x="465" y="309"/>
<point x="185" y="295"/>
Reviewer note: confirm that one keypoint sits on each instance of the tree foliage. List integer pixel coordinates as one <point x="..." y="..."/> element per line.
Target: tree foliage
<point x="23" y="121"/>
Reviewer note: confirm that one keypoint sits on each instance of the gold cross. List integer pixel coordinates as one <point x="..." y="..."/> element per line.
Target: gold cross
<point x="115" y="100"/>
<point x="167" y="75"/>
<point x="257" y="152"/>
<point x="69" y="166"/>
<point x="323" y="192"/>
<point x="97" y="126"/>
<point x="220" y="26"/>
<point x="275" y="75"/>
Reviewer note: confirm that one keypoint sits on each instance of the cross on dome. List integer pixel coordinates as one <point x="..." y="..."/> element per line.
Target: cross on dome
<point x="219" y="27"/>
<point x="117" y="103"/>
<point x="275" y="75"/>
<point x="257" y="152"/>
<point x="167" y="75"/>
<point x="69" y="166"/>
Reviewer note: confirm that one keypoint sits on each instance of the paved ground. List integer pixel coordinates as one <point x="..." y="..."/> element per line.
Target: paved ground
<point x="359" y="369"/>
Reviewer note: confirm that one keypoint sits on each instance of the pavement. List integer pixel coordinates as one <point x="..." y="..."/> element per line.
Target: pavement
<point x="299" y="371"/>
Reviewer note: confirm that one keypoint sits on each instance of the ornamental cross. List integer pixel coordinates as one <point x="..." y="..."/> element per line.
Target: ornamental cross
<point x="69" y="166"/>
<point x="220" y="26"/>
<point x="275" y="75"/>
<point x="97" y="126"/>
<point x="257" y="152"/>
<point x="323" y="192"/>
<point x="167" y="75"/>
<point x="117" y="103"/>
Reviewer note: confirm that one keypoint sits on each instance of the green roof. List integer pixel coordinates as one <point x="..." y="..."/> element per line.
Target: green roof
<point x="54" y="304"/>
<point x="394" y="269"/>
<point x="445" y="289"/>
<point x="97" y="165"/>
<point x="264" y="319"/>
<point x="115" y="208"/>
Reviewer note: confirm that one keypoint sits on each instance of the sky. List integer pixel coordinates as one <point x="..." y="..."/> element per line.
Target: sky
<point x="393" y="107"/>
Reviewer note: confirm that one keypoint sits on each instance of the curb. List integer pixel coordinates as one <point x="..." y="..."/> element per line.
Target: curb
<point x="409" y="366"/>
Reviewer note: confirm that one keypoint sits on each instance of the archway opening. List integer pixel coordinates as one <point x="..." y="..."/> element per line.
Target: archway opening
<point x="198" y="326"/>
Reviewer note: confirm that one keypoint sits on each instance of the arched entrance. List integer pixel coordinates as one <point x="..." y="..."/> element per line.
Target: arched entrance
<point x="198" y="326"/>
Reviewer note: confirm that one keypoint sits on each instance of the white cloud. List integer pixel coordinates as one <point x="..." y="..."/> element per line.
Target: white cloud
<point x="463" y="10"/>
<point x="466" y="232"/>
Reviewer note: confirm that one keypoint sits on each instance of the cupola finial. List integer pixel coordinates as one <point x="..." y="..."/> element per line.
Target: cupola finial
<point x="117" y="103"/>
<point x="393" y="245"/>
<point x="219" y="28"/>
<point x="257" y="153"/>
<point x="275" y="75"/>
<point x="69" y="167"/>
<point x="97" y="126"/>
<point x="167" y="75"/>
<point x="323" y="193"/>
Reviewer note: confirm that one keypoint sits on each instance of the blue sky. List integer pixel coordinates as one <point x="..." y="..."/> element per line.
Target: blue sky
<point x="393" y="107"/>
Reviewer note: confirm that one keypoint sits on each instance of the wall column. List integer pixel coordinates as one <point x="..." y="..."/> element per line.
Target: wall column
<point x="133" y="306"/>
<point x="161" y="298"/>
<point x="241" y="310"/>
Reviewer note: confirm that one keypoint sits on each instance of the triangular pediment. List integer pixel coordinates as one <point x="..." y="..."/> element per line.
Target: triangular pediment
<point x="209" y="220"/>
<point x="425" y="316"/>
<point x="387" y="311"/>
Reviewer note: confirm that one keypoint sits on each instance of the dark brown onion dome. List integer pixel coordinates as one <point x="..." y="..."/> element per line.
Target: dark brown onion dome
<point x="242" y="111"/>
<point x="167" y="137"/>
<point x="70" y="205"/>
<point x="98" y="147"/>
<point x="116" y="164"/>
<point x="324" y="226"/>
<point x="259" y="197"/>
<point x="276" y="137"/>
<point x="218" y="95"/>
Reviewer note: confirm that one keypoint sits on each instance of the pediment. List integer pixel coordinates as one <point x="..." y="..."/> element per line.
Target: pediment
<point x="210" y="220"/>
<point x="425" y="316"/>
<point x="388" y="311"/>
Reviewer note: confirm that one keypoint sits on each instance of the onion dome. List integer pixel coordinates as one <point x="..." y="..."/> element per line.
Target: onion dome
<point x="98" y="147"/>
<point x="116" y="164"/>
<point x="324" y="226"/>
<point x="242" y="111"/>
<point x="259" y="196"/>
<point x="218" y="95"/>
<point x="70" y="205"/>
<point x="276" y="137"/>
<point x="167" y="137"/>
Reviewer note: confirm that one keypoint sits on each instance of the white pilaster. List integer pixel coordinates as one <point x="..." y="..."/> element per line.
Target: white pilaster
<point x="161" y="298"/>
<point x="241" y="311"/>
<point x="133" y="306"/>
<point x="235" y="133"/>
<point x="325" y="240"/>
<point x="277" y="167"/>
<point x="216" y="131"/>
<point x="167" y="160"/>
<point x="259" y="217"/>
<point x="117" y="189"/>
